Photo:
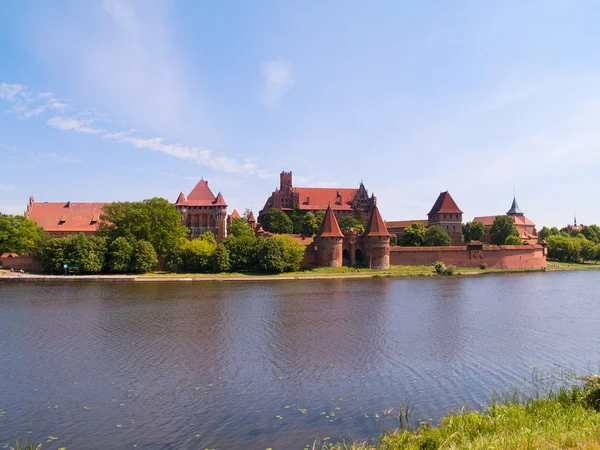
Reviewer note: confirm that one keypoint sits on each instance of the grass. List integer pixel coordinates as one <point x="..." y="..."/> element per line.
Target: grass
<point x="557" y="266"/>
<point x="566" y="418"/>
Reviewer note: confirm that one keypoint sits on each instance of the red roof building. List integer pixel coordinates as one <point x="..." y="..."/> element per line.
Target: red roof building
<point x="201" y="211"/>
<point x="527" y="230"/>
<point x="376" y="226"/>
<point x="65" y="218"/>
<point x="343" y="201"/>
<point x="329" y="226"/>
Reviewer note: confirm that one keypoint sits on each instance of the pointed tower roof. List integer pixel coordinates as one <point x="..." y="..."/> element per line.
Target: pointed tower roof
<point x="201" y="195"/>
<point x="330" y="226"/>
<point x="445" y="204"/>
<point x="219" y="201"/>
<point x="251" y="217"/>
<point x="514" y="209"/>
<point x="376" y="225"/>
<point x="235" y="214"/>
<point x="181" y="199"/>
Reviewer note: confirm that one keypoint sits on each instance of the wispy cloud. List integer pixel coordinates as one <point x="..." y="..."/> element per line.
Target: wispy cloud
<point x="7" y="187"/>
<point x="71" y="124"/>
<point x="25" y="105"/>
<point x="45" y="157"/>
<point x="278" y="81"/>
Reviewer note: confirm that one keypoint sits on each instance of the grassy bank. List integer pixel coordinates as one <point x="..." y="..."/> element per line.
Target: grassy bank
<point x="567" y="418"/>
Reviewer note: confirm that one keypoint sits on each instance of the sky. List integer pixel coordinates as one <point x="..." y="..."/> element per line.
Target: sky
<point x="122" y="100"/>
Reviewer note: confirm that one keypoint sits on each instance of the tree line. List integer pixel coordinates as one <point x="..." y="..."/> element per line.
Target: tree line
<point x="571" y="244"/>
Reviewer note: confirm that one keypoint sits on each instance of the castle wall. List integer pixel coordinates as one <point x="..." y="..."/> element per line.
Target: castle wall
<point x="21" y="262"/>
<point x="502" y="256"/>
<point x="329" y="252"/>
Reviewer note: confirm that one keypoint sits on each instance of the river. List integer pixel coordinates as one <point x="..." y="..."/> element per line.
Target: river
<point x="257" y="365"/>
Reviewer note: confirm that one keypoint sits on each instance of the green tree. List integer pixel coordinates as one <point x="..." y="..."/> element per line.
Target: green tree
<point x="293" y="252"/>
<point x="473" y="231"/>
<point x="82" y="254"/>
<point x="52" y="255"/>
<point x="276" y="221"/>
<point x="436" y="236"/>
<point x="20" y="235"/>
<point x="270" y="256"/>
<point x="239" y="228"/>
<point x="144" y="257"/>
<point x="414" y="235"/>
<point x="154" y="220"/>
<point x="543" y="234"/>
<point x="319" y="216"/>
<point x="120" y="252"/>
<point x="241" y="252"/>
<point x="197" y="254"/>
<point x="564" y="248"/>
<point x="309" y="224"/>
<point x="297" y="217"/>
<point x="588" y="249"/>
<point x="219" y="261"/>
<point x="591" y="233"/>
<point x="347" y="223"/>
<point x="513" y="240"/>
<point x="502" y="227"/>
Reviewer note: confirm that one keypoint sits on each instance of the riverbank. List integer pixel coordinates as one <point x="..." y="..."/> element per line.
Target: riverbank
<point x="568" y="418"/>
<point x="319" y="273"/>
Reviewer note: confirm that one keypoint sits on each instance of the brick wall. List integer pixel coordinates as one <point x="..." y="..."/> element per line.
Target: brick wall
<point x="21" y="262"/>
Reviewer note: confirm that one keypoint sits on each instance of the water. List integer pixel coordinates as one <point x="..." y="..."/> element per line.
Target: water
<point x="253" y="365"/>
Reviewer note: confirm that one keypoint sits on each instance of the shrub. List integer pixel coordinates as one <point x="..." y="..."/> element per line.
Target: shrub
<point x="513" y="240"/>
<point x="219" y="261"/>
<point x="441" y="269"/>
<point x="483" y="266"/>
<point x="144" y="257"/>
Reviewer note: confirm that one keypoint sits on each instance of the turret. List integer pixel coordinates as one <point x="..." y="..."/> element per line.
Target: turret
<point x="329" y="241"/>
<point x="376" y="242"/>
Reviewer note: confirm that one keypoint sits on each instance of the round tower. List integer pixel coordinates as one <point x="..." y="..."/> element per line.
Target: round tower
<point x="329" y="241"/>
<point x="376" y="242"/>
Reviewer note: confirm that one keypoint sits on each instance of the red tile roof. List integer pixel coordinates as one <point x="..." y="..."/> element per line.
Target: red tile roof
<point x="320" y="198"/>
<point x="330" y="226"/>
<point x="404" y="223"/>
<point x="489" y="220"/>
<point x="65" y="217"/>
<point x="445" y="204"/>
<point x="251" y="217"/>
<point x="376" y="225"/>
<point x="201" y="195"/>
<point x="9" y="255"/>
<point x="235" y="214"/>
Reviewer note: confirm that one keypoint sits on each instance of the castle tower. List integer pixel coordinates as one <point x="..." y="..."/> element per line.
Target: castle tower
<point x="329" y="241"/>
<point x="446" y="213"/>
<point x="376" y="242"/>
<point x="285" y="181"/>
<point x="514" y="209"/>
<point x="252" y="220"/>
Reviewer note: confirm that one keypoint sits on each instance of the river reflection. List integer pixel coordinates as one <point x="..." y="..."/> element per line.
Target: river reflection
<point x="258" y="365"/>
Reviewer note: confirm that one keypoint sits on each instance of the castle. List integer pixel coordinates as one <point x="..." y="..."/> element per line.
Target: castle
<point x="527" y="230"/>
<point x="343" y="201"/>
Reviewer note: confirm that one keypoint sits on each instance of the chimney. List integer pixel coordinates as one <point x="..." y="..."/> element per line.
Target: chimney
<point x="68" y="205"/>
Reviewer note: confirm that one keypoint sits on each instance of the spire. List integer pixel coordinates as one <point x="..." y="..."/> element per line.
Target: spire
<point x="181" y="199"/>
<point x="376" y="226"/>
<point x="445" y="204"/>
<point x="330" y="226"/>
<point x="575" y="220"/>
<point x="514" y="209"/>
<point x="219" y="201"/>
<point x="251" y="218"/>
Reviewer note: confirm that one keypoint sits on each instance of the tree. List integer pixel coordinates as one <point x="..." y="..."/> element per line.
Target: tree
<point x="588" y="249"/>
<point x="347" y="223"/>
<point x="513" y="240"/>
<point x="309" y="224"/>
<point x="196" y="254"/>
<point x="241" y="252"/>
<point x="502" y="227"/>
<point x="297" y="217"/>
<point x="319" y="216"/>
<point x="564" y="248"/>
<point x="591" y="233"/>
<point x="144" y="257"/>
<point x="293" y="252"/>
<point x="219" y="261"/>
<point x="154" y="220"/>
<point x="543" y="234"/>
<point x="276" y="221"/>
<point x="270" y="256"/>
<point x="52" y="255"/>
<point x="414" y="235"/>
<point x="120" y="252"/>
<point x="473" y="231"/>
<point x="20" y="235"/>
<point x="239" y="228"/>
<point x="435" y="235"/>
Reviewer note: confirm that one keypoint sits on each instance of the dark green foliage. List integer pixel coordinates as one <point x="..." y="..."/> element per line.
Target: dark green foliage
<point x="154" y="220"/>
<point x="564" y="248"/>
<point x="436" y="236"/>
<point x="320" y="216"/>
<point x="543" y="234"/>
<point x="241" y="252"/>
<point x="296" y="215"/>
<point x="82" y="254"/>
<point x="414" y="235"/>
<point x="276" y="221"/>
<point x="393" y="240"/>
<point x="270" y="256"/>
<point x="591" y="233"/>
<point x="473" y="231"/>
<point x="293" y="252"/>
<point x="219" y="261"/>
<point x="239" y="228"/>
<point x="347" y="223"/>
<point x="20" y="235"/>
<point x="502" y="227"/>
<point x="589" y="249"/>
<point x="144" y="257"/>
<point x="310" y="224"/>
<point x="119" y="255"/>
<point x="513" y="240"/>
<point x="441" y="269"/>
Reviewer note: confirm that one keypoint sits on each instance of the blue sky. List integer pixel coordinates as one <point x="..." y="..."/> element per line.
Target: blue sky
<point x="124" y="100"/>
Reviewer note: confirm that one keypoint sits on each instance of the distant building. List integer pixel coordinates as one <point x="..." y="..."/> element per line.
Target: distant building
<point x="527" y="230"/>
<point x="201" y="211"/>
<point x="444" y="212"/>
<point x="65" y="218"/>
<point x="343" y="201"/>
<point x="233" y="215"/>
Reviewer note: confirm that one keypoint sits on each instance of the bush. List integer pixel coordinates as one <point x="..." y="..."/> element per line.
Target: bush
<point x="119" y="255"/>
<point x="442" y="270"/>
<point x="144" y="257"/>
<point x="270" y="256"/>
<point x="219" y="261"/>
<point x="483" y="266"/>
<point x="513" y="240"/>
<point x="293" y="252"/>
<point x="196" y="254"/>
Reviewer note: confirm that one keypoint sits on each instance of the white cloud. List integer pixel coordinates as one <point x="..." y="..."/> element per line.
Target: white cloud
<point x="27" y="105"/>
<point x="277" y="82"/>
<point x="70" y="124"/>
<point x="10" y="91"/>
